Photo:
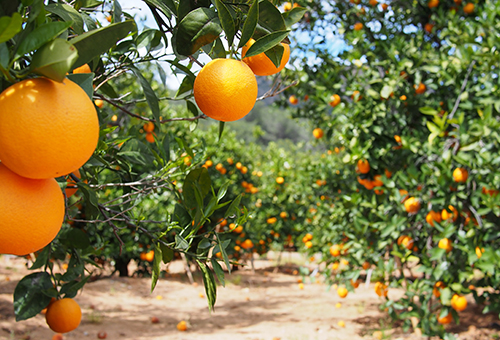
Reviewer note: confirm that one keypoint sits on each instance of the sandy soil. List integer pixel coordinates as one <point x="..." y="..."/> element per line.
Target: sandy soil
<point x="267" y="305"/>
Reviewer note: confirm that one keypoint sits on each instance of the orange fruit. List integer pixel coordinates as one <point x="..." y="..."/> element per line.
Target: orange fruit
<point x="479" y="252"/>
<point x="182" y="326"/>
<point x="460" y="175"/>
<point x="445" y="244"/>
<point x="57" y="336"/>
<point x="293" y="100"/>
<point x="366" y="265"/>
<point x="149" y="127"/>
<point x="318" y="133"/>
<point x="355" y="284"/>
<point x="385" y="6"/>
<point x="247" y="244"/>
<point x="63" y="315"/>
<point x="381" y="289"/>
<point x="71" y="187"/>
<point x="308" y="244"/>
<point x="403" y="97"/>
<point x="363" y="166"/>
<point x="225" y="89"/>
<point x="445" y="319"/>
<point x="301" y="285"/>
<point x="412" y="205"/>
<point x="149" y="256"/>
<point x="150" y="137"/>
<point x="31" y="213"/>
<point x="373" y="2"/>
<point x="428" y="27"/>
<point x="99" y="103"/>
<point x="433" y="3"/>
<point x="209" y="163"/>
<point x="335" y="250"/>
<point x="287" y="6"/>
<point x="341" y="323"/>
<point x="358" y="26"/>
<point x="342" y="292"/>
<point x="433" y="216"/>
<point x="469" y="8"/>
<point x="280" y="180"/>
<point x="85" y="68"/>
<point x="420" y="88"/>
<point x="445" y="215"/>
<point x="458" y="303"/>
<point x="407" y="242"/>
<point x="47" y="129"/>
<point x="334" y="100"/>
<point x="260" y="64"/>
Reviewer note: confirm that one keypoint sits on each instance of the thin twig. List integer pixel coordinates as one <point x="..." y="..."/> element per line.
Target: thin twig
<point x="462" y="89"/>
<point x="276" y="90"/>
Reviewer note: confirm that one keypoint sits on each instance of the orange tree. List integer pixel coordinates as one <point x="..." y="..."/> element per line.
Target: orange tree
<point x="411" y="97"/>
<point x="142" y="184"/>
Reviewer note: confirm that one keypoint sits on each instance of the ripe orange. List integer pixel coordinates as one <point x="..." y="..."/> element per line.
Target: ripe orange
<point x="445" y="244"/>
<point x="433" y="3"/>
<point x="99" y="103"/>
<point x="318" y="133"/>
<point x="280" y="180"/>
<point x="479" y="252"/>
<point x="154" y="319"/>
<point x="358" y="26"/>
<point x="342" y="292"/>
<point x="445" y="215"/>
<point x="385" y="6"/>
<point x="381" y="289"/>
<point x="363" y="166"/>
<point x="460" y="175"/>
<point x="421" y="87"/>
<point x="150" y="137"/>
<point x="436" y="289"/>
<point x="22" y="200"/>
<point x="247" y="244"/>
<point x="85" y="68"/>
<point x="47" y="129"/>
<point x="149" y="127"/>
<point x="433" y="216"/>
<point x="149" y="256"/>
<point x="308" y="244"/>
<point x="182" y="326"/>
<point x="334" y="100"/>
<point x="428" y="27"/>
<point x="57" y="336"/>
<point x="335" y="250"/>
<point x="412" y="205"/>
<point x="366" y="265"/>
<point x="293" y="100"/>
<point x="469" y="8"/>
<point x="458" y="303"/>
<point x="407" y="242"/>
<point x="63" y="315"/>
<point x="356" y="96"/>
<point x="225" y="89"/>
<point x="260" y="64"/>
<point x="373" y="2"/>
<point x="445" y="319"/>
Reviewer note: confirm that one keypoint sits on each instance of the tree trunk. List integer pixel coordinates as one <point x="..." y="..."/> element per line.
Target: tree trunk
<point x="122" y="266"/>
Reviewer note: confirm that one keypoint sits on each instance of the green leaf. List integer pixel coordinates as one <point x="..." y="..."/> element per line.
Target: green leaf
<point x="54" y="59"/>
<point x="221" y="129"/>
<point x="41" y="259"/>
<point x="167" y="253"/>
<point x="275" y="54"/>
<point x="204" y="243"/>
<point x="223" y="190"/>
<point x="149" y="93"/>
<point x="186" y="86"/>
<point x="386" y="91"/>
<point x="92" y="209"/>
<point x="40" y="36"/>
<point x="218" y="271"/>
<point x="70" y="289"/>
<point x="196" y="178"/>
<point x="155" y="274"/>
<point x="10" y="26"/>
<point x="266" y="42"/>
<point x="294" y="16"/>
<point x="209" y="283"/>
<point x="234" y="208"/>
<point x="428" y="111"/>
<point x="198" y="28"/>
<point x="76" y="238"/>
<point x="181" y="216"/>
<point x="270" y="18"/>
<point x="117" y="12"/>
<point x="167" y="7"/>
<point x="29" y="299"/>
<point x="85" y="81"/>
<point x="181" y="243"/>
<point x="226" y="20"/>
<point x="94" y="43"/>
<point x="250" y="23"/>
<point x="67" y="13"/>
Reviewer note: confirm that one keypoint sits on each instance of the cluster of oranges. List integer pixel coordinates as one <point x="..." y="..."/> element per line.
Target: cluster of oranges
<point x="226" y="89"/>
<point x="47" y="130"/>
<point x="363" y="167"/>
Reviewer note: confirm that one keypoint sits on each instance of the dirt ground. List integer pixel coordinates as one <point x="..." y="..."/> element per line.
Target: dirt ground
<point x="267" y="305"/>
